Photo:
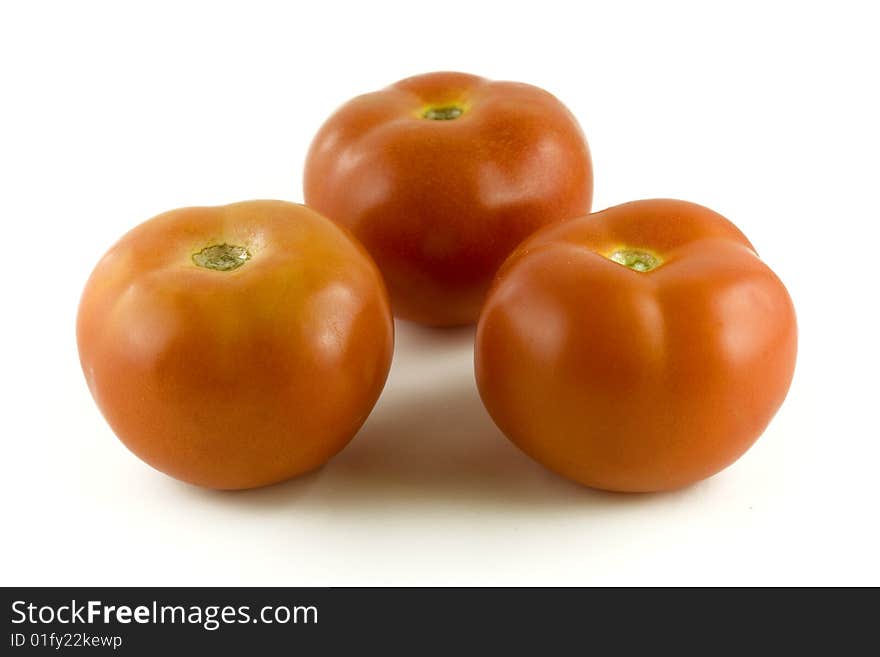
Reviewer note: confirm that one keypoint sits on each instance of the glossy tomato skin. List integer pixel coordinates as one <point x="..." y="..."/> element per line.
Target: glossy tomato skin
<point x="241" y="377"/>
<point x="441" y="203"/>
<point x="636" y="380"/>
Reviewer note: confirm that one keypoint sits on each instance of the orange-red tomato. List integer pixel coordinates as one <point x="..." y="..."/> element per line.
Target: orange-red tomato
<point x="441" y="176"/>
<point x="235" y="346"/>
<point x="641" y="348"/>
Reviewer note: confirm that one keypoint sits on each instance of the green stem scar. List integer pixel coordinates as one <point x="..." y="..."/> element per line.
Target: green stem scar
<point x="221" y="257"/>
<point x="635" y="259"/>
<point x="446" y="113"/>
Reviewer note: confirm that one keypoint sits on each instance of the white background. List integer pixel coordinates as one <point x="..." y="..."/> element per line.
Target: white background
<point x="113" y="112"/>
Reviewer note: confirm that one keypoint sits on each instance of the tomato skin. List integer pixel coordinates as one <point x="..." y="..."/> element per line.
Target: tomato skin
<point x="240" y="378"/>
<point x="441" y="203"/>
<point x="636" y="381"/>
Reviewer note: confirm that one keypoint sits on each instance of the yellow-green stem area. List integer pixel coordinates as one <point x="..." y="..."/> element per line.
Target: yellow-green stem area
<point x="446" y="113"/>
<point x="636" y="259"/>
<point x="221" y="257"/>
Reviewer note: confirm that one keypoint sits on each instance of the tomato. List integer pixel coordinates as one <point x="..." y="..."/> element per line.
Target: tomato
<point x="441" y="176"/>
<point x="235" y="346"/>
<point x="641" y="348"/>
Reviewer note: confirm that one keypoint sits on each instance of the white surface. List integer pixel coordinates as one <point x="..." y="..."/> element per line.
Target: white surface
<point x="767" y="113"/>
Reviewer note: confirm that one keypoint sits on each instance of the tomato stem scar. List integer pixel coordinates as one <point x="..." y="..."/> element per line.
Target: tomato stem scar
<point x="636" y="260"/>
<point x="446" y="113"/>
<point x="221" y="257"/>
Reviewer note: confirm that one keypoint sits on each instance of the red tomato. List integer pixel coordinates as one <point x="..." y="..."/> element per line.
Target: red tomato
<point x="441" y="176"/>
<point x="235" y="346"/>
<point x="641" y="348"/>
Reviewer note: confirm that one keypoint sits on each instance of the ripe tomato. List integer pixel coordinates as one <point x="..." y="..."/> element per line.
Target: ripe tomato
<point x="441" y="176"/>
<point x="641" y="348"/>
<point x="235" y="346"/>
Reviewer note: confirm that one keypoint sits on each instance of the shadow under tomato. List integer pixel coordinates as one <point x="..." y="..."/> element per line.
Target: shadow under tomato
<point x="430" y="442"/>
